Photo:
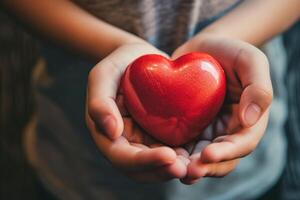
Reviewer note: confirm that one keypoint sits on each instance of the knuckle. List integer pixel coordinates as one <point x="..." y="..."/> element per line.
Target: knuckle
<point x="266" y="91"/>
<point x="262" y="93"/>
<point x="266" y="96"/>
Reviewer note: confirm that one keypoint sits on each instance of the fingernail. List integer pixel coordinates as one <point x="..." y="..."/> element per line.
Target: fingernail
<point x="109" y="125"/>
<point x="252" y="114"/>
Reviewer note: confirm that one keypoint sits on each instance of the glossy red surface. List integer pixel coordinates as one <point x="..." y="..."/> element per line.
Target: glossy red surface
<point x="174" y="100"/>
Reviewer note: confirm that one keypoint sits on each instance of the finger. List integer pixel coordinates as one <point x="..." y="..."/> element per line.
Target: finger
<point x="197" y="170"/>
<point x="237" y="145"/>
<point x="220" y="169"/>
<point x="103" y="83"/>
<point x="102" y="88"/>
<point x="253" y="71"/>
<point x="164" y="173"/>
<point x="130" y="157"/>
<point x="178" y="169"/>
<point x="153" y="157"/>
<point x="195" y="156"/>
<point x="194" y="172"/>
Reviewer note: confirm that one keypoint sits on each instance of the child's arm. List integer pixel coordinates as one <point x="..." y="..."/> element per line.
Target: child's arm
<point x="65" y="22"/>
<point x="254" y="21"/>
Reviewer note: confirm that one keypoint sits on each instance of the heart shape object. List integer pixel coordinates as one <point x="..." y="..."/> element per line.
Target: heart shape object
<point x="174" y="101"/>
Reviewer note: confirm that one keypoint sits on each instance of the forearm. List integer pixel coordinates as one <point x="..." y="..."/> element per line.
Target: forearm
<point x="256" y="21"/>
<point x="68" y="24"/>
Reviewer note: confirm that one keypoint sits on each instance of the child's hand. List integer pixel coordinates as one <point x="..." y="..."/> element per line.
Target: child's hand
<point x="242" y="122"/>
<point x="120" y="140"/>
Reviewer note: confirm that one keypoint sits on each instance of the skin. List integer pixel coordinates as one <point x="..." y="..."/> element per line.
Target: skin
<point x="231" y="40"/>
<point x="233" y="136"/>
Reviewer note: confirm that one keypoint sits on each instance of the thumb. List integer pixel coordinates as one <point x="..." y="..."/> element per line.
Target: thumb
<point x="101" y="94"/>
<point x="257" y="95"/>
<point x="253" y="103"/>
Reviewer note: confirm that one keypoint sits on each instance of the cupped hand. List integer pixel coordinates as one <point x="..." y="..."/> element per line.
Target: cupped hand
<point x="242" y="122"/>
<point x="116" y="135"/>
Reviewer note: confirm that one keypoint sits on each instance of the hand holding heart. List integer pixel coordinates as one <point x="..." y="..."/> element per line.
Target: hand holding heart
<point x="242" y="122"/>
<point x="116" y="135"/>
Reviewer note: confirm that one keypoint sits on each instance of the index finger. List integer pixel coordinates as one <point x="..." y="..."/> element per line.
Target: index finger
<point x="129" y="157"/>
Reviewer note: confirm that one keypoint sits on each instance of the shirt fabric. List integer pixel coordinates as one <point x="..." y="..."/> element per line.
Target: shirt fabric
<point x="290" y="183"/>
<point x="65" y="156"/>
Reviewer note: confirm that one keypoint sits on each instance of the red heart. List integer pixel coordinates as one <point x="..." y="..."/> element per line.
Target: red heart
<point x="174" y="100"/>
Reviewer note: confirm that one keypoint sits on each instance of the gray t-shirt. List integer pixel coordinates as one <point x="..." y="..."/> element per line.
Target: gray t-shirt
<point x="65" y="156"/>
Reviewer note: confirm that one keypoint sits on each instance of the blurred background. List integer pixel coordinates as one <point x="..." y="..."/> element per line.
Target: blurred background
<point x="22" y="70"/>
